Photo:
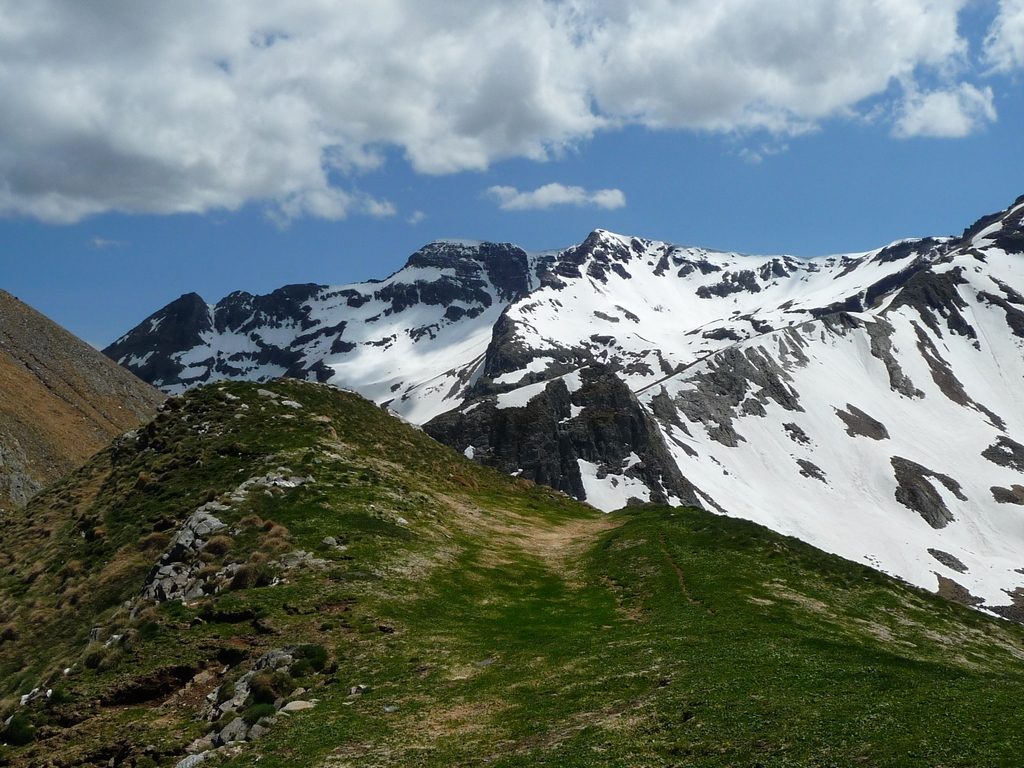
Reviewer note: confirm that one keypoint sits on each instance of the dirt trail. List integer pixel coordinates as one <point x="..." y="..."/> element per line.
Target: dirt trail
<point x="557" y="544"/>
<point x="560" y="544"/>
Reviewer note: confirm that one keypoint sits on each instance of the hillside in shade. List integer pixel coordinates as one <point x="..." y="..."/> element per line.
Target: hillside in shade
<point x="60" y="401"/>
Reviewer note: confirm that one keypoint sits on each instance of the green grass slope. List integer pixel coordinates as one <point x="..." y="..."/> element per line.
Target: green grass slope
<point x="436" y="613"/>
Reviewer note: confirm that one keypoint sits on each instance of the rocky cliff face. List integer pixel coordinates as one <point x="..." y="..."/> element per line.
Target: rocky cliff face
<point x="576" y="430"/>
<point x="861" y="402"/>
<point x="60" y="401"/>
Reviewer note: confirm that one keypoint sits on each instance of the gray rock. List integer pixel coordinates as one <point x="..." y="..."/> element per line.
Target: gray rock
<point x="796" y="433"/>
<point x="1012" y="495"/>
<point x="202" y="744"/>
<point x="301" y="559"/>
<point x="279" y="658"/>
<point x="258" y="731"/>
<point x="948" y="560"/>
<point x="297" y="706"/>
<point x="812" y="470"/>
<point x="946" y="380"/>
<point x="174" y="575"/>
<point x="543" y="441"/>
<point x="1006" y="453"/>
<point x="915" y="492"/>
<point x="880" y="332"/>
<point x="192" y="760"/>
<point x="859" y="423"/>
<point x="234" y="731"/>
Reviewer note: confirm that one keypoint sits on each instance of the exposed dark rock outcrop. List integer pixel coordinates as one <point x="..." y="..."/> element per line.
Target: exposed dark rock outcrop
<point x="955" y="591"/>
<point x="948" y="560"/>
<point x="880" y="332"/>
<point x="935" y="297"/>
<point x="796" y="433"/>
<point x="916" y="492"/>
<point x="812" y="470"/>
<point x="543" y="439"/>
<point x="946" y="380"/>
<point x="1012" y="495"/>
<point x="744" y="280"/>
<point x="1006" y="452"/>
<point x="735" y="382"/>
<point x="859" y="423"/>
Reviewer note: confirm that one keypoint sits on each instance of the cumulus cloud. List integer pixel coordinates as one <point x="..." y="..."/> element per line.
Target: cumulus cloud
<point x="511" y="199"/>
<point x="946" y="114"/>
<point x="199" y="105"/>
<point x="1004" y="46"/>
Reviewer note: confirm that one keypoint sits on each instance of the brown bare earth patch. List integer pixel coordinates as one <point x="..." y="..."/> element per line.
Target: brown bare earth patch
<point x="782" y="590"/>
<point x="557" y="545"/>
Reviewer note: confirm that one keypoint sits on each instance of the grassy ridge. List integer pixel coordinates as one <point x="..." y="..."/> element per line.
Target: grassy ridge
<point x="486" y="621"/>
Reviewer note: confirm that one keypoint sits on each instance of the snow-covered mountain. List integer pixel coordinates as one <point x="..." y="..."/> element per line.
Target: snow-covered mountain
<point x="871" y="404"/>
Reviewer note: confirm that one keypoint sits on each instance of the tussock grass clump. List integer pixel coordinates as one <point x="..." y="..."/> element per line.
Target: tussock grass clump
<point x="154" y="542"/>
<point x="19" y="731"/>
<point x="268" y="687"/>
<point x="252" y="575"/>
<point x="218" y="545"/>
<point x="310" y="658"/>
<point x="253" y="714"/>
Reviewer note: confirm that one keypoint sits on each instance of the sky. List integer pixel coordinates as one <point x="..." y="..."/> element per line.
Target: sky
<point x="149" y="149"/>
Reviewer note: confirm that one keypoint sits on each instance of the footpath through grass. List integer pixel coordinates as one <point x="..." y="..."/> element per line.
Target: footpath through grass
<point x="459" y="617"/>
<point x="675" y="638"/>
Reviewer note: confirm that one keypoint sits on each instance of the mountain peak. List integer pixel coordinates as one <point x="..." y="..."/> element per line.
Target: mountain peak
<point x="888" y="379"/>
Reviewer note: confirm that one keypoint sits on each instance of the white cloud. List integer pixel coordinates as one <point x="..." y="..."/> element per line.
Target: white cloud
<point x="326" y="203"/>
<point x="416" y="217"/>
<point x="102" y="243"/>
<point x="198" y="105"/>
<point x="1004" y="46"/>
<point x="511" y="199"/>
<point x="947" y="114"/>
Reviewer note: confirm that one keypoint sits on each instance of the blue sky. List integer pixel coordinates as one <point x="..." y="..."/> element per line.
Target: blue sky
<point x="218" y="147"/>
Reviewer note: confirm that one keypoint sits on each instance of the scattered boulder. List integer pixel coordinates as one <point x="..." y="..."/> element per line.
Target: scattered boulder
<point x="234" y="731"/>
<point x="192" y="760"/>
<point x="297" y="706"/>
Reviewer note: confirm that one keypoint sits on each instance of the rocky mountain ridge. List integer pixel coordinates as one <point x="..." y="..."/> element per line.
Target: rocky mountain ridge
<point x="870" y="404"/>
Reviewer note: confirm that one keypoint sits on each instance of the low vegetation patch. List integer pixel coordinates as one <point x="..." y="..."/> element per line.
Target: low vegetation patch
<point x="376" y="599"/>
